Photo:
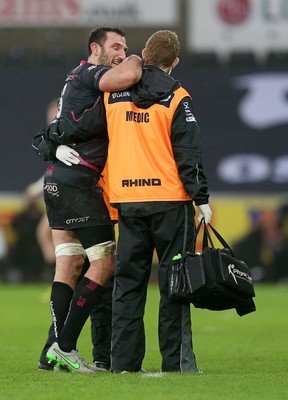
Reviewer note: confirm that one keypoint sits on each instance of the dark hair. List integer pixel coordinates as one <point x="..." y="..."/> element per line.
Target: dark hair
<point x="98" y="35"/>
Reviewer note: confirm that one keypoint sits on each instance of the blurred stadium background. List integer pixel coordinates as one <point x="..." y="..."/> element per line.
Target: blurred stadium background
<point x="234" y="62"/>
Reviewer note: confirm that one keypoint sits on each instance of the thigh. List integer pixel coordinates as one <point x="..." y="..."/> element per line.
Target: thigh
<point x="74" y="199"/>
<point x="134" y="249"/>
<point x="174" y="232"/>
<point x="102" y="267"/>
<point x="60" y="237"/>
<point x="68" y="267"/>
<point x="92" y="235"/>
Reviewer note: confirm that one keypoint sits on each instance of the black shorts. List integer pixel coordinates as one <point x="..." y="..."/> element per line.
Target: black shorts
<point x="73" y="198"/>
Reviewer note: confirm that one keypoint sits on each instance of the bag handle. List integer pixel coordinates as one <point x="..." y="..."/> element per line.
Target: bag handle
<point x="207" y="237"/>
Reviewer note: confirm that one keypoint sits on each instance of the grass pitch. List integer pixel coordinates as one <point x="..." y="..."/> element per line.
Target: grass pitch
<point x="241" y="357"/>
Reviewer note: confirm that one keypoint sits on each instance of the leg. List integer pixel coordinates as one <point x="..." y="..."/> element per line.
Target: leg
<point x="89" y="290"/>
<point x="45" y="241"/>
<point x="68" y="270"/>
<point x="92" y="234"/>
<point x="133" y="267"/>
<point x="101" y="326"/>
<point x="68" y="266"/>
<point x="175" y="335"/>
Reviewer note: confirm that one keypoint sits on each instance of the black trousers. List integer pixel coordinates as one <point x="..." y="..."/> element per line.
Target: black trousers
<point x="101" y="326"/>
<point x="168" y="233"/>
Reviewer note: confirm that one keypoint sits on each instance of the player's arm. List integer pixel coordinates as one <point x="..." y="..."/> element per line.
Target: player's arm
<point x="43" y="146"/>
<point x="48" y="150"/>
<point x="123" y="76"/>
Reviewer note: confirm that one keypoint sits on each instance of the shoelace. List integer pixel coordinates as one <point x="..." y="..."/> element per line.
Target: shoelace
<point x="81" y="359"/>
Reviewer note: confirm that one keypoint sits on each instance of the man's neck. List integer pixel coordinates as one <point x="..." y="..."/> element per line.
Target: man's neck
<point x="92" y="59"/>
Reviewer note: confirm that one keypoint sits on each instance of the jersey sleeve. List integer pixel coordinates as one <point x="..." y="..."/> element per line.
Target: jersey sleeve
<point x="93" y="74"/>
<point x="186" y="144"/>
<point x="44" y="147"/>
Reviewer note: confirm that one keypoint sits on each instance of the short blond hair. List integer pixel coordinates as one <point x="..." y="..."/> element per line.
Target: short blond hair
<point x="162" y="48"/>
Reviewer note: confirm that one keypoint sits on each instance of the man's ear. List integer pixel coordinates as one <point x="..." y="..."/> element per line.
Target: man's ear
<point x="144" y="55"/>
<point x="175" y="62"/>
<point x="94" y="48"/>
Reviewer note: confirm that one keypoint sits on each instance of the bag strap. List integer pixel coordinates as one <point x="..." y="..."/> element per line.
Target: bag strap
<point x="221" y="239"/>
<point x="206" y="235"/>
<point x="207" y="239"/>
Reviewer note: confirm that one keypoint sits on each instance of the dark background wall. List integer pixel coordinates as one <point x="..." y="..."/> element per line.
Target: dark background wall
<point x="238" y="156"/>
<point x="228" y="140"/>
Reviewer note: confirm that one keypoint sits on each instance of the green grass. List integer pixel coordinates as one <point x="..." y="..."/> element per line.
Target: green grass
<point x="242" y="357"/>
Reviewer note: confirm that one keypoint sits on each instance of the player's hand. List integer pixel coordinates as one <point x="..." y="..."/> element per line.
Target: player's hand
<point x="67" y="155"/>
<point x="204" y="212"/>
<point x="135" y="58"/>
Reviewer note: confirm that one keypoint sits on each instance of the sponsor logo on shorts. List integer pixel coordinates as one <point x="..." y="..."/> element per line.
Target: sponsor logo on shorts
<point x="77" y="220"/>
<point x="52" y="188"/>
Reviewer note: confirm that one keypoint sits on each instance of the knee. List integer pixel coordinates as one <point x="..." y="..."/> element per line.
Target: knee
<point x="69" y="262"/>
<point x="101" y="250"/>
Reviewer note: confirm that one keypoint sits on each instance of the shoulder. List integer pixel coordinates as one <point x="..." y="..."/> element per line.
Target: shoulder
<point x="86" y="68"/>
<point x="90" y="74"/>
<point x="181" y="93"/>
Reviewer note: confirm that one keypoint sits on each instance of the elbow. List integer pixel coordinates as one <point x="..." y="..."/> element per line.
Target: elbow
<point x="135" y="76"/>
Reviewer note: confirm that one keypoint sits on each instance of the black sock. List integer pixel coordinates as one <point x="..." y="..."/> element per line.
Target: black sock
<point x="50" y="340"/>
<point x="60" y="299"/>
<point x="86" y="295"/>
